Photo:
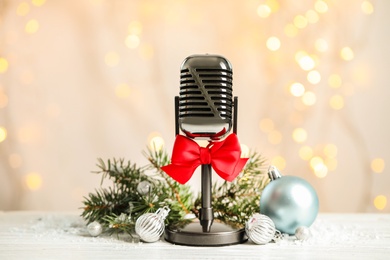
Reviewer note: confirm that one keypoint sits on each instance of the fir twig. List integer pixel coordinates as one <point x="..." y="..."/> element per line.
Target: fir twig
<point x="107" y="204"/>
<point x="235" y="202"/>
<point x="158" y="159"/>
<point x="118" y="206"/>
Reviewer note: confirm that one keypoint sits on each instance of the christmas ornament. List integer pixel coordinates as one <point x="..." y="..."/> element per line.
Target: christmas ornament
<point x="94" y="228"/>
<point x="260" y="229"/>
<point x="291" y="202"/>
<point x="144" y="187"/>
<point x="150" y="226"/>
<point x="302" y="233"/>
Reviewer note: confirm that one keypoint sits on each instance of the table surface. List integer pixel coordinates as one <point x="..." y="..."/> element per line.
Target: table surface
<point x="63" y="235"/>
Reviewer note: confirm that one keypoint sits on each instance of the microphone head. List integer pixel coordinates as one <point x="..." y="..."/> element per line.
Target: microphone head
<point x="206" y="97"/>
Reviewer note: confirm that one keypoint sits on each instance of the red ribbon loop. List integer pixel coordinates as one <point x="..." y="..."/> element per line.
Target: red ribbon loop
<point x="187" y="155"/>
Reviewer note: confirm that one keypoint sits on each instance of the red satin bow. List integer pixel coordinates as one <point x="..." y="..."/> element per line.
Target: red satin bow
<point x="187" y="155"/>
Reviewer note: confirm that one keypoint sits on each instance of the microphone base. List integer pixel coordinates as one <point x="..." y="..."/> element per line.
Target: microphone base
<point x="190" y="233"/>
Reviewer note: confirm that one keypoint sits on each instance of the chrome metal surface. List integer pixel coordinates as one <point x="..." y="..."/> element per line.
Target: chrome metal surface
<point x="206" y="96"/>
<point x="191" y="234"/>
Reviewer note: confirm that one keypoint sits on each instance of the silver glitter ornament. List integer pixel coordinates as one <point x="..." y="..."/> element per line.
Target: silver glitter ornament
<point x="291" y="202"/>
<point x="94" y="228"/>
<point x="260" y="229"/>
<point x="144" y="187"/>
<point x="302" y="233"/>
<point x="150" y="226"/>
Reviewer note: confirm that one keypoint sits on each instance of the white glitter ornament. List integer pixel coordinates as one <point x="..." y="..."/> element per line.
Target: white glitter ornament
<point x="144" y="187"/>
<point x="302" y="233"/>
<point x="150" y="226"/>
<point x="94" y="228"/>
<point x="260" y="229"/>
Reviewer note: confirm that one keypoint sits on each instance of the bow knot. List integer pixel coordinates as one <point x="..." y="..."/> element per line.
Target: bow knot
<point x="205" y="156"/>
<point x="187" y="155"/>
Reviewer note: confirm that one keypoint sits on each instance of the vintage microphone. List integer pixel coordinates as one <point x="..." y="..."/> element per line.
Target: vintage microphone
<point x="205" y="109"/>
<point x="205" y="112"/>
<point x="206" y="97"/>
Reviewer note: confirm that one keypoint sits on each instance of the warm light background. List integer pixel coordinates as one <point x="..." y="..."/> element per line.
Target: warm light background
<point x="82" y="79"/>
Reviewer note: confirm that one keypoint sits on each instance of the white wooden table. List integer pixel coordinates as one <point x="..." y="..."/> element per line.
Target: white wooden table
<point x="63" y="235"/>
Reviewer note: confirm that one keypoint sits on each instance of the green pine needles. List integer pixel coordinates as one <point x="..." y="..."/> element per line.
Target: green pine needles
<point x="118" y="206"/>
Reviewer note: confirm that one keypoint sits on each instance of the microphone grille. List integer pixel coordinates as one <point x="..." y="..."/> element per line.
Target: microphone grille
<point x="205" y="108"/>
<point x="206" y="92"/>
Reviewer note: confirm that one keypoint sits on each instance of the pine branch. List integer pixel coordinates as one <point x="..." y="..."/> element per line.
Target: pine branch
<point x="235" y="202"/>
<point x="122" y="223"/>
<point x="160" y="158"/>
<point x="107" y="204"/>
<point x="118" y="206"/>
<point x="105" y="201"/>
<point x="118" y="197"/>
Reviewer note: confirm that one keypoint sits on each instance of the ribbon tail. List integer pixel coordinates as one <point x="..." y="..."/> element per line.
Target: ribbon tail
<point x="235" y="171"/>
<point x="181" y="174"/>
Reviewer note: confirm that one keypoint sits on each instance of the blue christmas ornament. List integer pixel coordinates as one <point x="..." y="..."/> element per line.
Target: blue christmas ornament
<point x="290" y="202"/>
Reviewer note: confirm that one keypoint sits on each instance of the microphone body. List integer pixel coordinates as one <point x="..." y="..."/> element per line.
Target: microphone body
<point x="205" y="109"/>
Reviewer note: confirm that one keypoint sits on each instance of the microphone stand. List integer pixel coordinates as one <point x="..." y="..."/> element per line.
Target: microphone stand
<point x="206" y="214"/>
<point x="205" y="232"/>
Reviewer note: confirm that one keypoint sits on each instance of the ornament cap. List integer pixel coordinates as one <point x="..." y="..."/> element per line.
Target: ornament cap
<point x="162" y="213"/>
<point x="273" y="173"/>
